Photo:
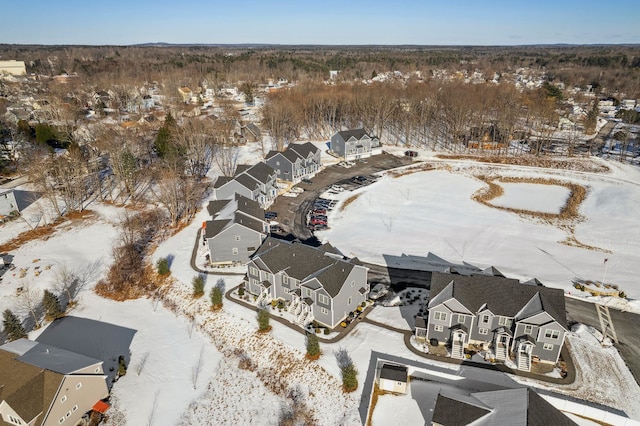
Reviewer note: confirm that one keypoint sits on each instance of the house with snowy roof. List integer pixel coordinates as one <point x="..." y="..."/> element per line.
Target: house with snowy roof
<point x="297" y="162"/>
<point x="44" y="385"/>
<point x="354" y="144"/>
<point x="525" y="321"/>
<point x="236" y="230"/>
<point x="257" y="183"/>
<point x="317" y="283"/>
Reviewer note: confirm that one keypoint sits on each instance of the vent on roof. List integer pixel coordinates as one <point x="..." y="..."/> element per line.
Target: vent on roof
<point x="294" y="255"/>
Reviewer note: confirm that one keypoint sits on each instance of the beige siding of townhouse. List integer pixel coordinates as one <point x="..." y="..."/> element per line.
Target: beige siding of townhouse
<point x="77" y="395"/>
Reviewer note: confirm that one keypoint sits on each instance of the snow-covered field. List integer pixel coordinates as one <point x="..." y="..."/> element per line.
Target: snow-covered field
<point x="433" y="211"/>
<point x="532" y="197"/>
<point x="190" y="365"/>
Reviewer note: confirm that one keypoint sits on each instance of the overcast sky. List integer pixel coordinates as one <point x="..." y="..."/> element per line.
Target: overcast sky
<point x="443" y="22"/>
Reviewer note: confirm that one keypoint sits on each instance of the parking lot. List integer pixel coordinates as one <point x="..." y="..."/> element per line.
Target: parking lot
<point x="292" y="212"/>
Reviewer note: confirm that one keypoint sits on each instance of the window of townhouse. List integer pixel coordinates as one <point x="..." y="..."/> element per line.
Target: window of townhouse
<point x="440" y="316"/>
<point x="551" y="334"/>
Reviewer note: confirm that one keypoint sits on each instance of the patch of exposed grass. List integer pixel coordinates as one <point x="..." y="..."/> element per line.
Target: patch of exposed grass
<point x="348" y="201"/>
<point x="577" y="164"/>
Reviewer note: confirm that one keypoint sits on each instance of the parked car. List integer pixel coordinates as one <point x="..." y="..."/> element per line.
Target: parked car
<point x="378" y="291"/>
<point x="270" y="215"/>
<point x="359" y="179"/>
<point x="276" y="229"/>
<point x="336" y="188"/>
<point x="319" y="227"/>
<point x="320" y="216"/>
<point x="319" y="211"/>
<point x="316" y="221"/>
<point x="296" y="190"/>
<point x="307" y="181"/>
<point x="410" y="153"/>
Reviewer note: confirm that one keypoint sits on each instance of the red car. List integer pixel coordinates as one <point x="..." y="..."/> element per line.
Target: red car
<point x="316" y="221"/>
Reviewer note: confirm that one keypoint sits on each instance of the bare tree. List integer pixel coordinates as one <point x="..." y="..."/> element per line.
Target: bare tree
<point x="30" y="304"/>
<point x="226" y="158"/>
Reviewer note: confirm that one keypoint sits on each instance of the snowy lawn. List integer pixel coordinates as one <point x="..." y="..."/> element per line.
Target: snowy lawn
<point x="433" y="212"/>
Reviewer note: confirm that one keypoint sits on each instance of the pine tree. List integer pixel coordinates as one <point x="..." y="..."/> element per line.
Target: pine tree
<point x="313" y="346"/>
<point x="216" y="298"/>
<point x="263" y="320"/>
<point x="12" y="326"/>
<point x="198" y="286"/>
<point x="349" y="377"/>
<point x="51" y="305"/>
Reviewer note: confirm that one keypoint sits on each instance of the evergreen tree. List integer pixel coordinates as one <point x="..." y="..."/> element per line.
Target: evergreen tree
<point x="162" y="266"/>
<point x="263" y="320"/>
<point x="216" y="298"/>
<point x="198" y="285"/>
<point x="165" y="144"/>
<point x="349" y="377"/>
<point x="51" y="305"/>
<point x="313" y="346"/>
<point x="12" y="326"/>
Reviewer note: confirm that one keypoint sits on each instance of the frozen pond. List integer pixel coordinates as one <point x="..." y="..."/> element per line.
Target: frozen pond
<point x="533" y="197"/>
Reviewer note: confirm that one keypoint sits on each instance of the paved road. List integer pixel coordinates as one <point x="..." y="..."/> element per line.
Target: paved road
<point x="625" y="323"/>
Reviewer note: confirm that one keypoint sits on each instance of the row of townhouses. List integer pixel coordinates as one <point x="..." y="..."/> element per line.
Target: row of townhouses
<point x="315" y="283"/>
<point x="524" y="321"/>
<point x="235" y="232"/>
<point x="355" y="144"/>
<point x="297" y="162"/>
<point x="257" y="183"/>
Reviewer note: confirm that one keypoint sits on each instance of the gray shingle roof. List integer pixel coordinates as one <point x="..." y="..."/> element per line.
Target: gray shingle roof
<point x="57" y="359"/>
<point x="304" y="149"/>
<point x="249" y="222"/>
<point x="453" y="410"/>
<point x="247" y="181"/>
<point x="216" y="205"/>
<point x="356" y="133"/>
<point x="249" y="207"/>
<point x="221" y="181"/>
<point x="241" y="168"/>
<point x="502" y="296"/>
<point x="304" y="263"/>
<point x="394" y="372"/>
<point x="214" y="227"/>
<point x="261" y="172"/>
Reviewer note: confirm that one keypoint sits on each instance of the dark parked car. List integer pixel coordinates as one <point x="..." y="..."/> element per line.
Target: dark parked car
<point x="307" y="181"/>
<point x="359" y="179"/>
<point x="410" y="153"/>
<point x="277" y="229"/>
<point x="270" y="215"/>
<point x="319" y="211"/>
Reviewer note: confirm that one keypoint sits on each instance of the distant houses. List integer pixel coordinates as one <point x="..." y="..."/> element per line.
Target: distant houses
<point x="511" y="319"/>
<point x="315" y="283"/>
<point x="235" y="232"/>
<point x="257" y="183"/>
<point x="8" y="203"/>
<point x="297" y="162"/>
<point x="355" y="144"/>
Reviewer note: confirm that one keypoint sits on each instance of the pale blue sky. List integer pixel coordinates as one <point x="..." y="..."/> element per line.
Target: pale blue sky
<point x="444" y="22"/>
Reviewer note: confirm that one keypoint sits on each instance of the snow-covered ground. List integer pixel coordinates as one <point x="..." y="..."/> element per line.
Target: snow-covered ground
<point x="433" y="211"/>
<point x="532" y="197"/>
<point x="242" y="377"/>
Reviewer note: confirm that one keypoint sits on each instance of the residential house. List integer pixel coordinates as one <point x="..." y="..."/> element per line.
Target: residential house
<point x="8" y="203"/>
<point x="355" y="144"/>
<point x="521" y="407"/>
<point x="44" y="385"/>
<point x="316" y="283"/>
<point x="257" y="183"/>
<point x="512" y="319"/>
<point x="236" y="231"/>
<point x="95" y="339"/>
<point x="297" y="162"/>
<point x="251" y="132"/>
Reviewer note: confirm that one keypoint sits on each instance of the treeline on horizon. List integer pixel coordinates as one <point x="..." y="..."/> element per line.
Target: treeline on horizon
<point x="615" y="67"/>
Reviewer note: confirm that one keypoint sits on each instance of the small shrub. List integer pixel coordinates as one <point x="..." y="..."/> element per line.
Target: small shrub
<point x="122" y="366"/>
<point x="622" y="294"/>
<point x="198" y="286"/>
<point x="363" y="304"/>
<point x="327" y="331"/>
<point x="162" y="266"/>
<point x="241" y="291"/>
<point x="51" y="305"/>
<point x="12" y="327"/>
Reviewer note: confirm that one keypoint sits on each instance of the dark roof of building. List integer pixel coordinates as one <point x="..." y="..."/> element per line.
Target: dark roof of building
<point x="502" y="296"/>
<point x="213" y="227"/>
<point x="421" y="322"/>
<point x="95" y="339"/>
<point x="304" y="263"/>
<point x="394" y="372"/>
<point x="221" y="181"/>
<point x="261" y="172"/>
<point x="452" y="411"/>
<point x="216" y="205"/>
<point x="288" y="155"/>
<point x="241" y="168"/>
<point x="249" y="222"/>
<point x="249" y="207"/>
<point x="303" y="149"/>
<point x="255" y="130"/>
<point x="356" y="133"/>
<point x="247" y="181"/>
<point x="541" y="413"/>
